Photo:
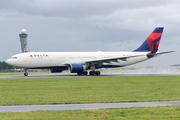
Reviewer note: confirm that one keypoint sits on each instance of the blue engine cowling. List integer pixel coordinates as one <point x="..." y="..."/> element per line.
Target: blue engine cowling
<point x="76" y="68"/>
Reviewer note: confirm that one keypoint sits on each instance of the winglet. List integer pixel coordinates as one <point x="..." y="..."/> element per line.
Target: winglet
<point x="152" y="42"/>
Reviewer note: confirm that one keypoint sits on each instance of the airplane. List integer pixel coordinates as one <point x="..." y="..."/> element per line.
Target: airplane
<point x="82" y="62"/>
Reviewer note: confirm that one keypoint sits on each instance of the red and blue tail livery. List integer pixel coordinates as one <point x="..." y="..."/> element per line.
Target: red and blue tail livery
<point x="151" y="44"/>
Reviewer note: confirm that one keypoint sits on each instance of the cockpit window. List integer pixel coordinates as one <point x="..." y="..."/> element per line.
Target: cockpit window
<point x="14" y="57"/>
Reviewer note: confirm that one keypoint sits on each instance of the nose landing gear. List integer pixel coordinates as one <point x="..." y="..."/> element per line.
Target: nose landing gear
<point x="25" y="74"/>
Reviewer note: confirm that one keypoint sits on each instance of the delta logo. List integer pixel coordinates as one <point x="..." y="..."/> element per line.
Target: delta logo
<point x="39" y="55"/>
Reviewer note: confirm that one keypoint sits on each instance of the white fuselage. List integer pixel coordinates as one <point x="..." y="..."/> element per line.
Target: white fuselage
<point x="33" y="60"/>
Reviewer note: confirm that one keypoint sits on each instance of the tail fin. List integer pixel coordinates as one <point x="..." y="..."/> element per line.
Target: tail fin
<point x="152" y="42"/>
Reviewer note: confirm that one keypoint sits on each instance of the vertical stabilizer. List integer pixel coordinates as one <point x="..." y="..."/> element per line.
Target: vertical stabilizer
<point x="152" y="42"/>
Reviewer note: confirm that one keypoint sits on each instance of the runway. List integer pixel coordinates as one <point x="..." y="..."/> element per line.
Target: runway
<point x="53" y="75"/>
<point x="23" y="108"/>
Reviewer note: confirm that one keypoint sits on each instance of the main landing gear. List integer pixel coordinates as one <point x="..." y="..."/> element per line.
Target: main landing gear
<point x="94" y="73"/>
<point x="83" y="73"/>
<point x="90" y="73"/>
<point x="25" y="74"/>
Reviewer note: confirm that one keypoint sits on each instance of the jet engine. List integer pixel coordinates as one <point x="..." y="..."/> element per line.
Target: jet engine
<point x="76" y="68"/>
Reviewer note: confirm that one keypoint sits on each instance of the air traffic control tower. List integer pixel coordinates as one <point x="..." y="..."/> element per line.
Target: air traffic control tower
<point x="23" y="39"/>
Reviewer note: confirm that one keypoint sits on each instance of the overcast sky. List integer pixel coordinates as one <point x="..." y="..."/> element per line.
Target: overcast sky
<point x="90" y="25"/>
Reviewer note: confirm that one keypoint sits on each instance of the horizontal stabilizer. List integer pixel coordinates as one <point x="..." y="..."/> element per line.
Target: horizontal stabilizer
<point x="165" y="52"/>
<point x="153" y="54"/>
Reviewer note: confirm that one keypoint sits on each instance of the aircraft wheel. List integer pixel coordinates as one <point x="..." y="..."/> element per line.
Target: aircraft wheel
<point x="25" y="74"/>
<point x="97" y="72"/>
<point x="85" y="73"/>
<point x="80" y="73"/>
<point x="91" y="73"/>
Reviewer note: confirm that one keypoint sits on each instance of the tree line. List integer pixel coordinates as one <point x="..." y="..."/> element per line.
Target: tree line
<point x="4" y="66"/>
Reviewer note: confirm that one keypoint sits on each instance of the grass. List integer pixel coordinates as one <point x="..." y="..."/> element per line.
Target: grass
<point x="27" y="91"/>
<point x="144" y="113"/>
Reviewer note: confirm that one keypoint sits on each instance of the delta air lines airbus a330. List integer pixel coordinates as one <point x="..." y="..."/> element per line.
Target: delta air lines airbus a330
<point x="82" y="62"/>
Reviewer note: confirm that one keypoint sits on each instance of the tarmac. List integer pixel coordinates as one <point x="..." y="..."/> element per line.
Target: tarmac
<point x="24" y="108"/>
<point x="53" y="75"/>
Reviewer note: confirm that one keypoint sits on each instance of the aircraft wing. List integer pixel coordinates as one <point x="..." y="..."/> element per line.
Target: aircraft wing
<point x="105" y="60"/>
<point x="124" y="58"/>
<point x="112" y="59"/>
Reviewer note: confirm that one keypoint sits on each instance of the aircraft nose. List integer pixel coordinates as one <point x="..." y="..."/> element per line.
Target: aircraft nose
<point x="8" y="61"/>
<point x="13" y="62"/>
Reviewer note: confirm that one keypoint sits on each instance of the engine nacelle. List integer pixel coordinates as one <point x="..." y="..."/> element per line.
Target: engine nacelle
<point x="56" y="70"/>
<point x="76" y="68"/>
